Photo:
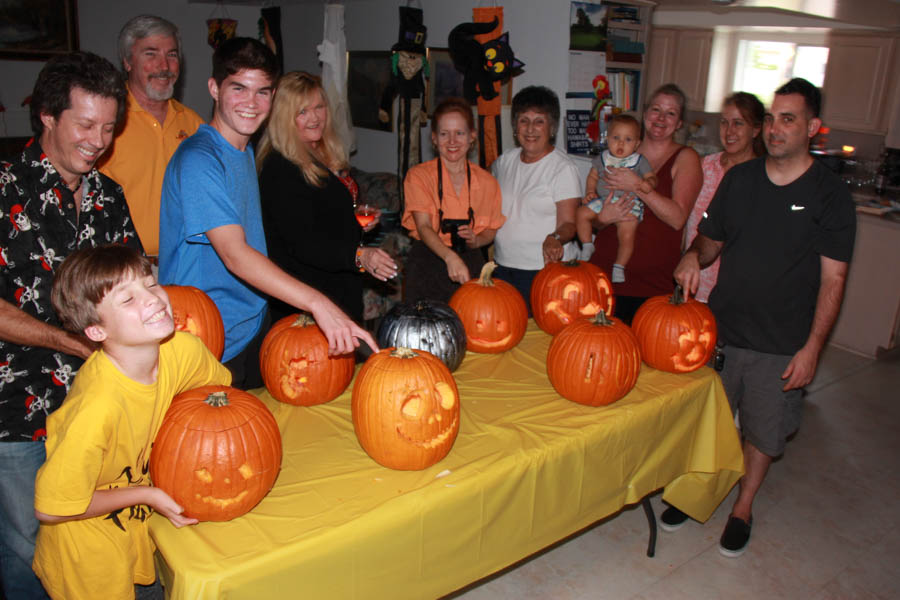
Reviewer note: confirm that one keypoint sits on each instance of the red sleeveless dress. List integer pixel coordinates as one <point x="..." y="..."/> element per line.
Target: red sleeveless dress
<point x="657" y="248"/>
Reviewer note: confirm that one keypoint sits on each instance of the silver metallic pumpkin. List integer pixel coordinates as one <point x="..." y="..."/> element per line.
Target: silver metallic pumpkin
<point x="425" y="325"/>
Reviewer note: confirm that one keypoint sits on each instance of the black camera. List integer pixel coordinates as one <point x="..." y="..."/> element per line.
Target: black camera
<point x="451" y="226"/>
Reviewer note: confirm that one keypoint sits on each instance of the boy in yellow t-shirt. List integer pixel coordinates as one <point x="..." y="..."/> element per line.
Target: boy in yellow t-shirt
<point x="93" y="495"/>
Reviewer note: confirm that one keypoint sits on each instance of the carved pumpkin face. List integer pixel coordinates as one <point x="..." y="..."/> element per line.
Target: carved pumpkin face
<point x="195" y="312"/>
<point x="296" y="367"/>
<point x="565" y="292"/>
<point x="594" y="361"/>
<point x="216" y="472"/>
<point x="405" y="408"/>
<point x="492" y="312"/>
<point x="676" y="335"/>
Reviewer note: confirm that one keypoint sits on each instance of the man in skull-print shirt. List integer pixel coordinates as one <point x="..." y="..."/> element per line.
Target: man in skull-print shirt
<point x="52" y="202"/>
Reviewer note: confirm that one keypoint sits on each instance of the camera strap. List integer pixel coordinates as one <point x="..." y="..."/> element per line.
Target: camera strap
<point x="440" y="190"/>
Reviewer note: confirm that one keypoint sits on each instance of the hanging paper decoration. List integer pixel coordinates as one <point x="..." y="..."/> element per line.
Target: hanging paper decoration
<point x="220" y="31"/>
<point x="270" y="32"/>
<point x="486" y="60"/>
<point x="408" y="72"/>
<point x="333" y="56"/>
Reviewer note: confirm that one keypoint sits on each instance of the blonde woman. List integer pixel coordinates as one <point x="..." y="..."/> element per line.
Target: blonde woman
<point x="308" y="199"/>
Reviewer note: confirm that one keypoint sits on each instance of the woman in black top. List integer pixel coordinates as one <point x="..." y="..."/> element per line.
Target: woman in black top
<point x="308" y="199"/>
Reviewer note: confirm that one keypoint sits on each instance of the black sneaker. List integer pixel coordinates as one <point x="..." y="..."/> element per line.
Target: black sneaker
<point x="735" y="537"/>
<point x="672" y="519"/>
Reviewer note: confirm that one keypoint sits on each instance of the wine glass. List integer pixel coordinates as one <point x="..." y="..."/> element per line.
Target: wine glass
<point x="365" y="214"/>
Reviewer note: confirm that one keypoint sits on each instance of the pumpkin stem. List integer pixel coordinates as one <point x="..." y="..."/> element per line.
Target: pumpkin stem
<point x="303" y="320"/>
<point x="601" y="319"/>
<point x="678" y="296"/>
<point x="572" y="263"/>
<point x="403" y="352"/>
<point x="486" y="272"/>
<point x="217" y="399"/>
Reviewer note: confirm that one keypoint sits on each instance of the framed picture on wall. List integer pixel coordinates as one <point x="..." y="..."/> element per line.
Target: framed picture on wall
<point x="446" y="81"/>
<point x="37" y="29"/>
<point x="368" y="75"/>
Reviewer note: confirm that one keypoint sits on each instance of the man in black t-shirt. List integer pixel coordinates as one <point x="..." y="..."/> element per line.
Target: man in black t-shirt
<point x="784" y="226"/>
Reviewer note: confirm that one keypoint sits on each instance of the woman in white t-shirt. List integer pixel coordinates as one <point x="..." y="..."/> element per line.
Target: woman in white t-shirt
<point x="541" y="190"/>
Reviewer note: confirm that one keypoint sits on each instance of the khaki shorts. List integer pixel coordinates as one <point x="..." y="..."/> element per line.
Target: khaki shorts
<point x="753" y="384"/>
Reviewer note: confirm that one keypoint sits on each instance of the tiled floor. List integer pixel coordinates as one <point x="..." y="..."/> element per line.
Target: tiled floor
<point x="826" y="522"/>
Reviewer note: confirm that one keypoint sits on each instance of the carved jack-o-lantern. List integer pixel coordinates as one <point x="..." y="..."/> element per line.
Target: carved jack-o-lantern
<point x="676" y="335"/>
<point x="217" y="453"/>
<point x="492" y="312"/>
<point x="295" y="365"/>
<point x="405" y="407"/>
<point x="195" y="312"/>
<point x="563" y="292"/>
<point x="594" y="361"/>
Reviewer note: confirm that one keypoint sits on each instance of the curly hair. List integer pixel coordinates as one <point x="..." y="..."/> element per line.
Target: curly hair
<point x="539" y="99"/>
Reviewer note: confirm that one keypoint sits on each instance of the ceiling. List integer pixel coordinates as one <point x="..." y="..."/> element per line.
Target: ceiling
<point x="868" y="13"/>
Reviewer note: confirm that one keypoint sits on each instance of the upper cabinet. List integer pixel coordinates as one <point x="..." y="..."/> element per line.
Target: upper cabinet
<point x="857" y="91"/>
<point x="680" y="56"/>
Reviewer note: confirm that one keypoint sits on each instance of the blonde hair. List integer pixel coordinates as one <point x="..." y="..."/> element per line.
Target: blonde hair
<point x="296" y="91"/>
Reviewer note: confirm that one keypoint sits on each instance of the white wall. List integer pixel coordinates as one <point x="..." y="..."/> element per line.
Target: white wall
<point x="538" y="35"/>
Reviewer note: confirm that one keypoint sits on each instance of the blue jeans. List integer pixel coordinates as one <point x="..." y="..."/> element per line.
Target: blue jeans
<point x="19" y="463"/>
<point x="520" y="279"/>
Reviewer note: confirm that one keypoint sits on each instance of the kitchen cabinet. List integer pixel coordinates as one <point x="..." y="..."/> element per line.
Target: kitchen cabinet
<point x="870" y="314"/>
<point x="856" y="89"/>
<point x="680" y="56"/>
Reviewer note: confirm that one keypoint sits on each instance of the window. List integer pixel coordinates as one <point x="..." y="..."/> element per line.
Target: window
<point x="758" y="60"/>
<point x="762" y="66"/>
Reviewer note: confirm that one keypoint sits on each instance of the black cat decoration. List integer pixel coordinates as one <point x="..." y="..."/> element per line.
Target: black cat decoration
<point x="482" y="64"/>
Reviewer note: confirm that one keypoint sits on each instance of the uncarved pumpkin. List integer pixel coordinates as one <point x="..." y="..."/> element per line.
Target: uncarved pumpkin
<point x="295" y="364"/>
<point x="492" y="312"/>
<point x="425" y="325"/>
<point x="594" y="361"/>
<point x="405" y="408"/>
<point x="675" y="334"/>
<point x="195" y="312"/>
<point x="217" y="453"/>
<point x="563" y="292"/>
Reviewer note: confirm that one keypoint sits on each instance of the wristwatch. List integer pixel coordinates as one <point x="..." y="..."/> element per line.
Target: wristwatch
<point x="556" y="237"/>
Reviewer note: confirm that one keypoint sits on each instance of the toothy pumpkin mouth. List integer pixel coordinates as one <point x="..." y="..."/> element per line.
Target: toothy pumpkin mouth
<point x="437" y="440"/>
<point x="221" y="502"/>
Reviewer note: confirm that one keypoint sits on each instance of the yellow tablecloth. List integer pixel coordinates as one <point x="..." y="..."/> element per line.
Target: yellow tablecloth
<point x="527" y="469"/>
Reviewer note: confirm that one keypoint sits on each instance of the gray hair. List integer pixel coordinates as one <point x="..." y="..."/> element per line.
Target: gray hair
<point x="144" y="26"/>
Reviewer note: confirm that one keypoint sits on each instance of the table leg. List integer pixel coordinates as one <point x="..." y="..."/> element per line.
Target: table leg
<point x="651" y="521"/>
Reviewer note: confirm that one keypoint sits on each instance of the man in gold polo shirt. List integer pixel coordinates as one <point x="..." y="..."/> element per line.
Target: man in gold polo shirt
<point x="155" y="123"/>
